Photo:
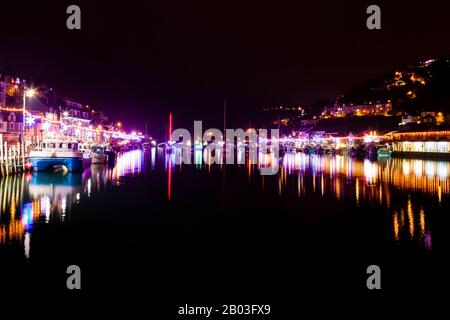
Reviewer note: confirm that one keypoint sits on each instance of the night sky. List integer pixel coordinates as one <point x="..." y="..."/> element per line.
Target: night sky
<point x="138" y="60"/>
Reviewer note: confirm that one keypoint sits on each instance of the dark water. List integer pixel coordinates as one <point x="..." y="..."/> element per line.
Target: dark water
<point x="148" y="224"/>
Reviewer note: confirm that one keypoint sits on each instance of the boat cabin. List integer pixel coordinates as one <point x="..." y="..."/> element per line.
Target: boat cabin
<point x="59" y="145"/>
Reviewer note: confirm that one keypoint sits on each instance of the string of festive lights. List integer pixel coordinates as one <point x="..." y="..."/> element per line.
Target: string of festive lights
<point x="99" y="129"/>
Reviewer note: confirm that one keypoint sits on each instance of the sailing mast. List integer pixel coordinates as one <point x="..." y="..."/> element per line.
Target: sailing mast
<point x="224" y="117"/>
<point x="170" y="126"/>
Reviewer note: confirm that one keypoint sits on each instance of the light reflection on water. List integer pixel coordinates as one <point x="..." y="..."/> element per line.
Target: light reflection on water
<point x="40" y="198"/>
<point x="33" y="198"/>
<point x="361" y="182"/>
<point x="372" y="182"/>
<point x="427" y="175"/>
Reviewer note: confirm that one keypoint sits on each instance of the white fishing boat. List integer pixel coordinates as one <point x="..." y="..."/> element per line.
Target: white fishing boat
<point x="85" y="149"/>
<point x="57" y="154"/>
<point x="98" y="155"/>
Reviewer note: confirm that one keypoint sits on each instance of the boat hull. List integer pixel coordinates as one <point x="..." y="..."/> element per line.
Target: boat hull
<point x="309" y="150"/>
<point x="48" y="164"/>
<point x="384" y="153"/>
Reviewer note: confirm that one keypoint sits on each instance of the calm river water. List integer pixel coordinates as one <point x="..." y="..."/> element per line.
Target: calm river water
<point x="149" y="217"/>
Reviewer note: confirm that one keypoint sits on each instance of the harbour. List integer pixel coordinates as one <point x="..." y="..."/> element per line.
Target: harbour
<point x="219" y="160"/>
<point x="30" y="200"/>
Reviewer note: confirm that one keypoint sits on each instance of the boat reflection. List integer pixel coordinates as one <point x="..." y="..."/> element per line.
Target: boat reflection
<point x="404" y="192"/>
<point x="42" y="197"/>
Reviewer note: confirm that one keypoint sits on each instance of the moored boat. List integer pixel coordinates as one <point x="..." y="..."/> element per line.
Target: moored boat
<point x="98" y="155"/>
<point x="308" y="150"/>
<point x="384" y="151"/>
<point x="86" y="151"/>
<point x="51" y="155"/>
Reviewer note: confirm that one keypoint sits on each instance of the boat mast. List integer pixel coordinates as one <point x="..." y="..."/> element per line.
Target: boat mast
<point x="224" y="118"/>
<point x="170" y="126"/>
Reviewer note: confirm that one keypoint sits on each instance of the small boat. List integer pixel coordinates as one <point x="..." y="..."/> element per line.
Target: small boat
<point x="308" y="150"/>
<point x="85" y="149"/>
<point x="51" y="155"/>
<point x="384" y="151"/>
<point x="98" y="155"/>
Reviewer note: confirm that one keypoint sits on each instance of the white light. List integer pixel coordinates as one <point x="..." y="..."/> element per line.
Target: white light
<point x="29" y="93"/>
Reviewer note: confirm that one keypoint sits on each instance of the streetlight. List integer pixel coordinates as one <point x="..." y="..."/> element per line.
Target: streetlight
<point x="26" y="93"/>
<point x="29" y="93"/>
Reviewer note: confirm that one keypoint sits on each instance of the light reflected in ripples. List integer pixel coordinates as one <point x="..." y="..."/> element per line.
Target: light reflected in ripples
<point x="370" y="182"/>
<point x="35" y="198"/>
<point x="129" y="163"/>
<point x="31" y="199"/>
<point x="359" y="183"/>
<point x="421" y="175"/>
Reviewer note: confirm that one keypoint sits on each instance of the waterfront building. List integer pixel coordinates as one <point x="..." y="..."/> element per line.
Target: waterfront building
<point x="433" y="142"/>
<point x="46" y="115"/>
<point x="75" y="119"/>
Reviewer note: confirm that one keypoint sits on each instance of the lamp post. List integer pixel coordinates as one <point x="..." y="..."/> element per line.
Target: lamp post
<point x="26" y="93"/>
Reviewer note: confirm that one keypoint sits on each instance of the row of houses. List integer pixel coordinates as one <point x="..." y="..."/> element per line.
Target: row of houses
<point x="46" y="113"/>
<point x="369" y="109"/>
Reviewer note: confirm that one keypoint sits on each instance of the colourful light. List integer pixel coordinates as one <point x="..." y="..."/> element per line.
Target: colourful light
<point x="30" y="120"/>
